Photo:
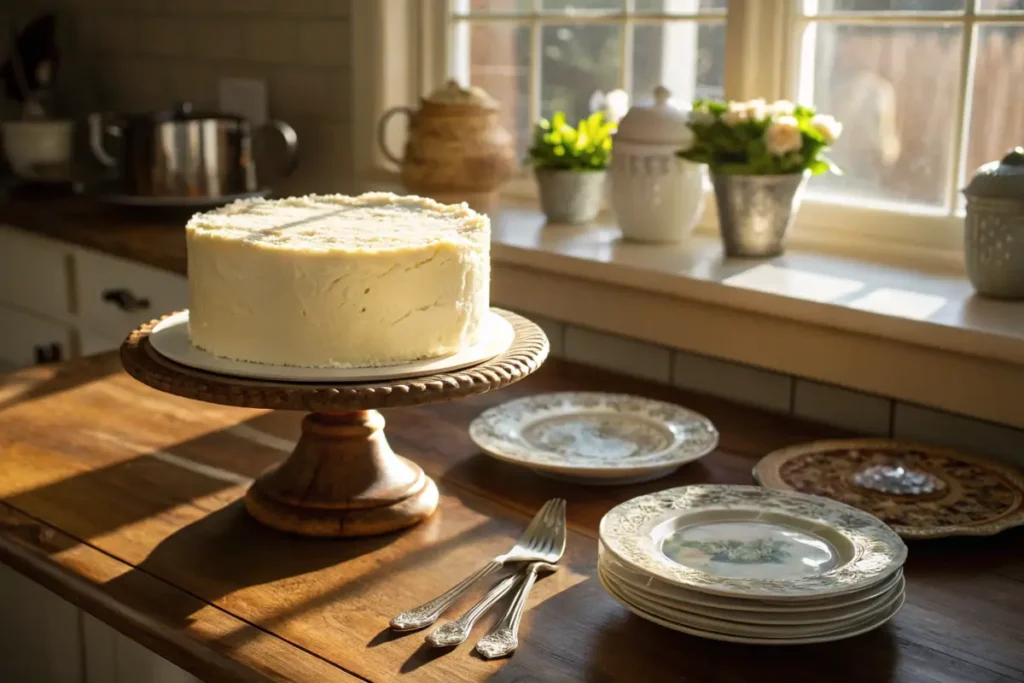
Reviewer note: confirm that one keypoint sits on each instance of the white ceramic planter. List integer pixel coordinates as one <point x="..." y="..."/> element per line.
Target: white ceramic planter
<point x="657" y="196"/>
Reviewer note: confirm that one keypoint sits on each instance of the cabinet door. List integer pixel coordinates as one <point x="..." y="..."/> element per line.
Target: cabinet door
<point x="34" y="272"/>
<point x="40" y="637"/>
<point x="91" y="343"/>
<point x="136" y="664"/>
<point x="26" y="339"/>
<point x="116" y="296"/>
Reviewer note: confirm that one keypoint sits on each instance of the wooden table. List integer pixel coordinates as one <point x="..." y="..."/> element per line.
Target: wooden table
<point x="126" y="502"/>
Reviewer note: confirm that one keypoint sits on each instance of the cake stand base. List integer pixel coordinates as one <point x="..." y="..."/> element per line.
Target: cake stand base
<point x="342" y="479"/>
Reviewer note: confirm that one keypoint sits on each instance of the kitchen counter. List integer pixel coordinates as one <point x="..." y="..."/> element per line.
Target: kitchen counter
<point x="151" y="238"/>
<point x="126" y="502"/>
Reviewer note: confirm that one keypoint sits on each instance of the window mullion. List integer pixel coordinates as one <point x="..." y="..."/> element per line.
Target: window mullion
<point x="754" y="69"/>
<point x="962" y="119"/>
<point x="626" y="45"/>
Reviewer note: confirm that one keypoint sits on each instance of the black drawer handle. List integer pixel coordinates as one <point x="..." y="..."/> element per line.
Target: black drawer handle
<point x="47" y="353"/>
<point x="125" y="300"/>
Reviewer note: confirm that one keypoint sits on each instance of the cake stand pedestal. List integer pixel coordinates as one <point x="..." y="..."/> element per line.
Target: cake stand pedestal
<point x="342" y="479"/>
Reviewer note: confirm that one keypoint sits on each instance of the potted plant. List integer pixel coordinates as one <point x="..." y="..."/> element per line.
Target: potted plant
<point x="569" y="163"/>
<point x="760" y="156"/>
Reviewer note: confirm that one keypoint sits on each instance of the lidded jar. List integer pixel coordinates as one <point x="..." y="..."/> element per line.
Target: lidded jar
<point x="657" y="196"/>
<point x="994" y="227"/>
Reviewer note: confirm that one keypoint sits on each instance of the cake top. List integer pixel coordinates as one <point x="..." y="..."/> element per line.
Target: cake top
<point x="375" y="221"/>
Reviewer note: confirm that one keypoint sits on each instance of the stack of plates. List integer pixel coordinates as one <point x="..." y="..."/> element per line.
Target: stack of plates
<point x="752" y="565"/>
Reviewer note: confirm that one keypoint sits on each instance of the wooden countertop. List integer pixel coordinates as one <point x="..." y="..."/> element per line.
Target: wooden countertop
<point x="155" y="238"/>
<point x="126" y="502"/>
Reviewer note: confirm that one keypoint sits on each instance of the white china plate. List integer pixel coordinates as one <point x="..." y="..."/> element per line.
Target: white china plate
<point x="880" y="619"/>
<point x="661" y="591"/>
<point x="751" y="542"/>
<point x="594" y="438"/>
<point x="744" y="623"/>
<point x="177" y="202"/>
<point x="170" y="339"/>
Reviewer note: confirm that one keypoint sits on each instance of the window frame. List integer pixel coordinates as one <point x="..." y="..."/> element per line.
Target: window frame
<point x="409" y="54"/>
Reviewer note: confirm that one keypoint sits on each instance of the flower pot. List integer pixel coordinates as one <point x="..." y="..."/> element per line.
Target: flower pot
<point x="756" y="211"/>
<point x="570" y="196"/>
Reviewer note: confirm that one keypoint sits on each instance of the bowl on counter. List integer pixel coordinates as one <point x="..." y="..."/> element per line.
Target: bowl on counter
<point x="39" y="150"/>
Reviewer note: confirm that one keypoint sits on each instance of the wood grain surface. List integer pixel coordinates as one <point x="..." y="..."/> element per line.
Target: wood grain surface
<point x="127" y="502"/>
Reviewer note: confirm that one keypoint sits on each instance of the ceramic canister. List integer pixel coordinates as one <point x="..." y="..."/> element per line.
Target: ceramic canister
<point x="657" y="196"/>
<point x="994" y="227"/>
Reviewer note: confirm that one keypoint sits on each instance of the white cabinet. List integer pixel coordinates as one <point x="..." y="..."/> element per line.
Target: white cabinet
<point x="40" y="635"/>
<point x="58" y="301"/>
<point x="112" y="658"/>
<point x="27" y="339"/>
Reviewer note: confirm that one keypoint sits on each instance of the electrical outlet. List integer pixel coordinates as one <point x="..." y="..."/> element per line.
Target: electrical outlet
<point x="246" y="97"/>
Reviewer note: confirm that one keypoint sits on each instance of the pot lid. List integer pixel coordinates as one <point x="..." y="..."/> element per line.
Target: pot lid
<point x="1003" y="179"/>
<point x="661" y="122"/>
<point x="453" y="93"/>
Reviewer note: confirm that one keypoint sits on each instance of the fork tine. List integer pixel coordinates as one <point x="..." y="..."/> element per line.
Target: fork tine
<point x="529" y="537"/>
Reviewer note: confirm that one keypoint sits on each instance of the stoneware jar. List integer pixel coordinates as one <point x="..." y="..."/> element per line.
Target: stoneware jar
<point x="457" y="149"/>
<point x="657" y="196"/>
<point x="994" y="228"/>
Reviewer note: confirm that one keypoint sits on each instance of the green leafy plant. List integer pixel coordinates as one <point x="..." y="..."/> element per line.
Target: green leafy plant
<point x="559" y="146"/>
<point x="758" y="138"/>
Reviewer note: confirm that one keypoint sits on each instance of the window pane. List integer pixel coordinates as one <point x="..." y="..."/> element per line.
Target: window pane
<point x="492" y="6"/>
<point x="582" y="6"/>
<point x="679" y="6"/>
<point x="498" y="56"/>
<point x="882" y="6"/>
<point x="894" y="88"/>
<point x="578" y="60"/>
<point x="997" y="110"/>
<point x="686" y="57"/>
<point x="1001" y="5"/>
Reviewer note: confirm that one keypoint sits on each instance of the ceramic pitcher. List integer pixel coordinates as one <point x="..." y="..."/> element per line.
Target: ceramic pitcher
<point x="456" y="147"/>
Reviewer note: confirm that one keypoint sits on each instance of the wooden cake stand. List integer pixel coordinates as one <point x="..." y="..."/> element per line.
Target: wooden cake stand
<point x="342" y="479"/>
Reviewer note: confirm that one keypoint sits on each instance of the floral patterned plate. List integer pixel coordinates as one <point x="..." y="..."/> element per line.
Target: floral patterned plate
<point x="594" y="438"/>
<point x="921" y="491"/>
<point x="743" y="609"/>
<point x="878" y="620"/>
<point x="751" y="542"/>
<point x="709" y="622"/>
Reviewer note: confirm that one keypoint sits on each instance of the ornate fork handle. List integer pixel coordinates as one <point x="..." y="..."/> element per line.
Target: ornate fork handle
<point x="427" y="613"/>
<point x="503" y="639"/>
<point x="454" y="632"/>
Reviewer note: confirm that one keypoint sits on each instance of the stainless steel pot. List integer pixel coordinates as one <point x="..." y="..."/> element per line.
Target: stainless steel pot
<point x="181" y="153"/>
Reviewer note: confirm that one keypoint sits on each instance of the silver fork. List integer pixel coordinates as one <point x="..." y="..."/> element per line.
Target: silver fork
<point x="503" y="639"/>
<point x="455" y="632"/>
<point x="543" y="541"/>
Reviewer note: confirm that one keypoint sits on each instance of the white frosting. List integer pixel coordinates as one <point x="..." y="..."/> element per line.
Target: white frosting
<point x="339" y="281"/>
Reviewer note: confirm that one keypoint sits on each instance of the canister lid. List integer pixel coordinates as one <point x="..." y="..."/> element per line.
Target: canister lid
<point x="659" y="123"/>
<point x="1003" y="179"/>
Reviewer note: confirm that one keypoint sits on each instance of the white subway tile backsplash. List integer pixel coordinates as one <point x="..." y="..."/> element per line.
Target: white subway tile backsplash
<point x="739" y="383"/>
<point x="851" y="410"/>
<point x="217" y="39"/>
<point x="164" y="36"/>
<point x="324" y="43"/>
<point x="915" y="423"/>
<point x="618" y="354"/>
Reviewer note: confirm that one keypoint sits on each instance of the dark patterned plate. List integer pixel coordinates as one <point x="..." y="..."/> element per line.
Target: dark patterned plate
<point x="920" y="491"/>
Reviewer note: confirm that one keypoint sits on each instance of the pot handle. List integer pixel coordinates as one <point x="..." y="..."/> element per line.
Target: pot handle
<point x="98" y="130"/>
<point x="382" y="129"/>
<point x="291" y="143"/>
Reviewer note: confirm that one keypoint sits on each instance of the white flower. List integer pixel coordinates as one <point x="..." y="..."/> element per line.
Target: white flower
<point x="701" y="118"/>
<point x="783" y="136"/>
<point x="613" y="104"/>
<point x="757" y="110"/>
<point x="827" y="126"/>
<point x="737" y="113"/>
<point x="781" y="108"/>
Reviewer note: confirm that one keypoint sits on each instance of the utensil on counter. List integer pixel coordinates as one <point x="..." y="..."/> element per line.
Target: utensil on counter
<point x="454" y="632"/>
<point x="503" y="639"/>
<point x="543" y="541"/>
<point x="181" y="154"/>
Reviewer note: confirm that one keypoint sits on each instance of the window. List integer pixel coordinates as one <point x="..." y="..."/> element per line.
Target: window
<point x="927" y="90"/>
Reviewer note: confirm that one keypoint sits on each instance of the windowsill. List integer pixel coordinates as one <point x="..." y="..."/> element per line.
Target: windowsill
<point x="933" y="310"/>
<point x="899" y="332"/>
